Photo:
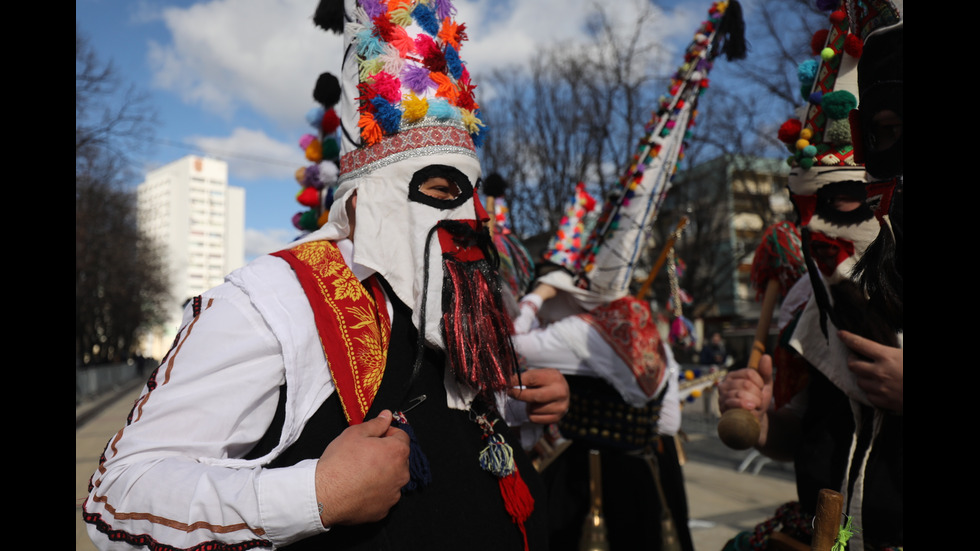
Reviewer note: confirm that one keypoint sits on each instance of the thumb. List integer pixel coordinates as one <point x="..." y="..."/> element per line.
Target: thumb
<point x="765" y="369"/>
<point x="379" y="425"/>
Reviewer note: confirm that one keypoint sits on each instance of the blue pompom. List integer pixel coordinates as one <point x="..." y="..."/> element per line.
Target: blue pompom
<point x="454" y="63"/>
<point x="369" y="45"/>
<point x="387" y="115"/>
<point x="426" y="18"/>
<point x="441" y="109"/>
<point x="315" y="116"/>
<point x="807" y="71"/>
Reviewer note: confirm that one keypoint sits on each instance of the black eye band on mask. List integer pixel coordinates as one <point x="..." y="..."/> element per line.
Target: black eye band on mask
<point x="853" y="192"/>
<point x="461" y="190"/>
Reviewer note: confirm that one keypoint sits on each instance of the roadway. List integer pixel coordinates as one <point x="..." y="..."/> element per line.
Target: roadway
<point x="728" y="491"/>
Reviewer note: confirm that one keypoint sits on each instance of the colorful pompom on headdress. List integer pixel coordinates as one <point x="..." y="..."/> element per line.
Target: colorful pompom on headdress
<point x="403" y="75"/>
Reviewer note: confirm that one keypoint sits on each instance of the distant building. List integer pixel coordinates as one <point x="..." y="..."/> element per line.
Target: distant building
<point x="731" y="200"/>
<point x="198" y="220"/>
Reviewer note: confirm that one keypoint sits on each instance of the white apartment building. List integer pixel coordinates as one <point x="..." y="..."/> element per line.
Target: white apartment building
<point x="189" y="209"/>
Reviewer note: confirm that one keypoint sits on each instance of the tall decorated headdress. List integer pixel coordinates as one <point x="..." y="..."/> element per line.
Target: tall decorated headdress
<point x="406" y="112"/>
<point x="839" y="208"/>
<point x="566" y="246"/>
<point x="616" y="242"/>
<point x="408" y="119"/>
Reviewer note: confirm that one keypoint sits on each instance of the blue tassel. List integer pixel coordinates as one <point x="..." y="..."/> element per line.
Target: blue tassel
<point x="418" y="463"/>
<point x="441" y="109"/>
<point x="369" y="46"/>
<point x="426" y="18"/>
<point x="387" y="115"/>
<point x="454" y="63"/>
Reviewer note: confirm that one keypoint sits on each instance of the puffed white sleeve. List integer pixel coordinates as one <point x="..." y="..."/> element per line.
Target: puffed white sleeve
<point x="175" y="475"/>
<point x="670" y="410"/>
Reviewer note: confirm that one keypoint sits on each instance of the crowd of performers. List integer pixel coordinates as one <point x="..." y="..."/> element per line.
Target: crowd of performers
<point x="405" y="376"/>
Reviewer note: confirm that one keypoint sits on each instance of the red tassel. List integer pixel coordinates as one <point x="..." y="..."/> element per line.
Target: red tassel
<point x="517" y="500"/>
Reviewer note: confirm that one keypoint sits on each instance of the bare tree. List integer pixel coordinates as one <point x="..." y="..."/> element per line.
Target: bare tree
<point x="735" y="156"/>
<point x="572" y="115"/>
<point x="575" y="113"/>
<point x="119" y="280"/>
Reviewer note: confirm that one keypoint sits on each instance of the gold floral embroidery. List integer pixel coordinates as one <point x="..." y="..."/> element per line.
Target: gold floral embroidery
<point x="356" y="342"/>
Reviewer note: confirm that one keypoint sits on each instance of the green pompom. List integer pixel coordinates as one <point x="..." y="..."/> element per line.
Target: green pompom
<point x="837" y="105"/>
<point x="308" y="221"/>
<point x="837" y="132"/>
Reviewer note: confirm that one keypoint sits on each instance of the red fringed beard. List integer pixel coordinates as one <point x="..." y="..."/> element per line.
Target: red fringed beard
<point x="475" y="325"/>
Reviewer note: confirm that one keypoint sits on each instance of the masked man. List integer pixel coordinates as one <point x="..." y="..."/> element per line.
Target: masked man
<point x="844" y="429"/>
<point x="350" y="392"/>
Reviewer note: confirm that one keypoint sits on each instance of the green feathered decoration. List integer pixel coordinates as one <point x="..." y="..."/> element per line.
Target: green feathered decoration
<point x="843" y="535"/>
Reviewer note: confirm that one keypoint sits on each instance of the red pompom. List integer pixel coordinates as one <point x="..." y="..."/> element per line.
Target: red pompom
<point x="837" y="16"/>
<point x="330" y="122"/>
<point x="790" y="131"/>
<point x="853" y="45"/>
<point x="818" y="41"/>
<point x="308" y="197"/>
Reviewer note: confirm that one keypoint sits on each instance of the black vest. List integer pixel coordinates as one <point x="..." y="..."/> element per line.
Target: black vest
<point x="462" y="507"/>
<point x="828" y="426"/>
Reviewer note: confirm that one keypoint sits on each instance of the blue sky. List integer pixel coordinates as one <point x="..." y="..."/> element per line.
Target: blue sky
<point x="233" y="78"/>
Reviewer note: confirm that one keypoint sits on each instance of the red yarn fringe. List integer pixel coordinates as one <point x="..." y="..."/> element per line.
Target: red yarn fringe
<point x="517" y="499"/>
<point x="476" y="327"/>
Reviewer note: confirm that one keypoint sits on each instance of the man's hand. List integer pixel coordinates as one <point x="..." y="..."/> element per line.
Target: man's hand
<point x="360" y="475"/>
<point x="545" y="291"/>
<point x="878" y="369"/>
<point x="545" y="392"/>
<point x="747" y="389"/>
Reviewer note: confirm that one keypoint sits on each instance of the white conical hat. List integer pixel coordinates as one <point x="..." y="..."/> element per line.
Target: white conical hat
<point x="618" y="238"/>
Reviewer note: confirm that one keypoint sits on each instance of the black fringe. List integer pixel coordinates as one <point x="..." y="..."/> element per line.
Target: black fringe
<point x="329" y="16"/>
<point x="730" y="38"/>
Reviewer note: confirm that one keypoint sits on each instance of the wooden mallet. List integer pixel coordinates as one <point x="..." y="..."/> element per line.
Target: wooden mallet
<point x="777" y="265"/>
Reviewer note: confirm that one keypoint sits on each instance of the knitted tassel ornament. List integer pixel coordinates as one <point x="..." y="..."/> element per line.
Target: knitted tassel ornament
<point x="498" y="459"/>
<point x="418" y="463"/>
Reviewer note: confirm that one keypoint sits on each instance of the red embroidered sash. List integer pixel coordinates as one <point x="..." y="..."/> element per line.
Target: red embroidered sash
<point x="353" y="325"/>
<point x="628" y="327"/>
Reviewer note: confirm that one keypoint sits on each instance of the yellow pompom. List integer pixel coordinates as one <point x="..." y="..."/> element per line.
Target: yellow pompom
<point x="827" y="54"/>
<point x="806" y="133"/>
<point x="696" y="393"/>
<point x="801" y="144"/>
<point x="414" y="107"/>
<point x="688" y="374"/>
<point x="471" y="121"/>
